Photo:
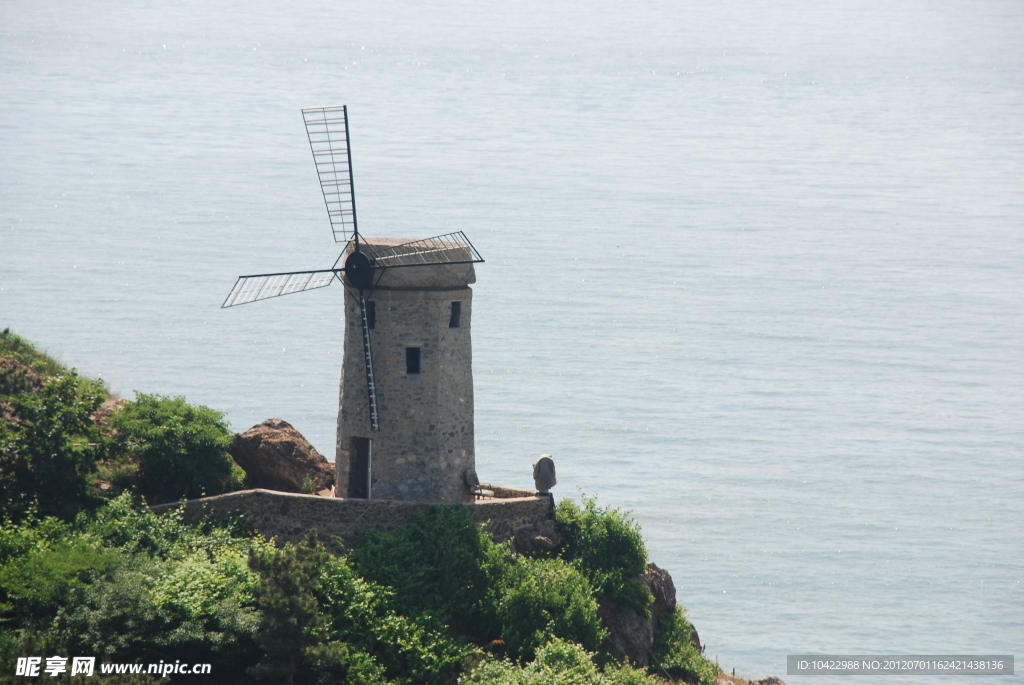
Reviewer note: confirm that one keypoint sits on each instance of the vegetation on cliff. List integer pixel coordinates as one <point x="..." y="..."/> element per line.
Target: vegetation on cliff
<point x="173" y="449"/>
<point x="86" y="569"/>
<point x="67" y="445"/>
<point x="126" y="585"/>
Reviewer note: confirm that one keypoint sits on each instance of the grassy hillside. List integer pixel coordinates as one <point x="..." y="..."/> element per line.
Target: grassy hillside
<point x="67" y="445"/>
<point x="22" y="366"/>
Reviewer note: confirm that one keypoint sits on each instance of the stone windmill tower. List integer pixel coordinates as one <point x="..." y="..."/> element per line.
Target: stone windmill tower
<point x="405" y="420"/>
<point x="418" y="320"/>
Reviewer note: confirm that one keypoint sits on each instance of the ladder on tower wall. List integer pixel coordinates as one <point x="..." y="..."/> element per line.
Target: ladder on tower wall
<point x="370" y="387"/>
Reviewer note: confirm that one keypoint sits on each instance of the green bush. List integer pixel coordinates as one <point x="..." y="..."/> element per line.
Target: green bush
<point x="14" y="377"/>
<point x="49" y="448"/>
<point x="543" y="598"/>
<point x="441" y="564"/>
<point x="131" y="527"/>
<point x="323" y="624"/>
<point x="33" y="531"/>
<point x="413" y="649"/>
<point x="677" y="654"/>
<point x="292" y="625"/>
<point x="128" y="616"/>
<point x="606" y="545"/>
<point x="559" y="662"/>
<point x="125" y="584"/>
<point x="34" y="586"/>
<point x="181" y="449"/>
<point x="443" y="567"/>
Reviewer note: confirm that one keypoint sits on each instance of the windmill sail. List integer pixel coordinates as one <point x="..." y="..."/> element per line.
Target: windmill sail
<point x="451" y="248"/>
<point x="262" y="286"/>
<point x="327" y="129"/>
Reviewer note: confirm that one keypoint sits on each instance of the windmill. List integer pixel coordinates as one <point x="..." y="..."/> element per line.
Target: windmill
<point x="362" y="268"/>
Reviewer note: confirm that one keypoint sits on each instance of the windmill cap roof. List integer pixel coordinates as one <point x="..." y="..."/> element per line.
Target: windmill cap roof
<point x="425" y="276"/>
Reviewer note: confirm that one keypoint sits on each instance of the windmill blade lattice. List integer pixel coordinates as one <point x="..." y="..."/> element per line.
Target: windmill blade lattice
<point x="263" y="286"/>
<point x="327" y="129"/>
<point x="450" y="248"/>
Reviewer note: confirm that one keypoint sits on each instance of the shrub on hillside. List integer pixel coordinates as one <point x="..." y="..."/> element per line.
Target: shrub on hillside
<point x="48" y="448"/>
<point x="441" y="563"/>
<point x="676" y="653"/>
<point x="36" y="585"/>
<point x="410" y="649"/>
<point x="181" y="449"/>
<point x="559" y="662"/>
<point x="192" y="609"/>
<point x="291" y="633"/>
<point x="606" y="545"/>
<point x="15" y="378"/>
<point x="133" y="528"/>
<point x="539" y="599"/>
<point x="323" y="623"/>
<point x="125" y="584"/>
<point x="443" y="566"/>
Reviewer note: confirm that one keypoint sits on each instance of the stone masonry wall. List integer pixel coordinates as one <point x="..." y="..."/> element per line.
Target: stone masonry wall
<point x="506" y="492"/>
<point x="288" y="516"/>
<point x="426" y="440"/>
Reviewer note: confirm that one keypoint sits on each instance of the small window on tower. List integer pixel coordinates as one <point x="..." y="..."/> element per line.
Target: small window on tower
<point x="412" y="360"/>
<point x="454" y="321"/>
<point x="371" y="314"/>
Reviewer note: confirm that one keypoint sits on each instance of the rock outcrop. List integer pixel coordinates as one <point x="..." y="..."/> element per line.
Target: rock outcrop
<point x="275" y="456"/>
<point x="539" y="538"/>
<point x="726" y="679"/>
<point x="101" y="416"/>
<point x="632" y="633"/>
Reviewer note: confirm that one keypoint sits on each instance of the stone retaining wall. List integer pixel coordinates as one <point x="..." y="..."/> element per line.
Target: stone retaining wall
<point x="505" y="492"/>
<point x="287" y="516"/>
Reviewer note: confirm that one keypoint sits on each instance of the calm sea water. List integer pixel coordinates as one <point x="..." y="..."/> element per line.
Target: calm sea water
<point x="754" y="270"/>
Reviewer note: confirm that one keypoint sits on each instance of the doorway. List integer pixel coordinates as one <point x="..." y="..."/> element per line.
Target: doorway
<point x="360" y="458"/>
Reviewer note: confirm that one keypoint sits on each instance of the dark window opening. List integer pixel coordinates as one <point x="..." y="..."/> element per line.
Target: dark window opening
<point x="454" y="322"/>
<point x="412" y="360"/>
<point x="371" y="314"/>
<point x="359" y="468"/>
